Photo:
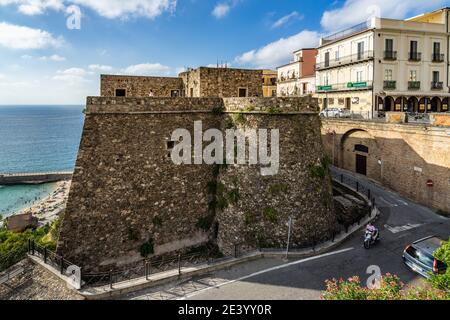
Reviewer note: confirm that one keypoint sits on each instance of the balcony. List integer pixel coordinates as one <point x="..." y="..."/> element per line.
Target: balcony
<point x="415" y="56"/>
<point x="437" y="85"/>
<point x="413" y="85"/>
<point x="438" y="57"/>
<point x="390" y="55"/>
<point x="355" y="58"/>
<point x="390" y="85"/>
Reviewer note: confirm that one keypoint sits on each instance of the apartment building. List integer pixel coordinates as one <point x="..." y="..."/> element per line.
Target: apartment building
<point x="298" y="77"/>
<point x="269" y="83"/>
<point x="386" y="65"/>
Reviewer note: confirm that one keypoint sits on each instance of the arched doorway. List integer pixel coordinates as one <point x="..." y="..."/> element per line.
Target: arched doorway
<point x="388" y="104"/>
<point x="435" y="104"/>
<point x="412" y="105"/>
<point x="359" y="152"/>
<point x="398" y="105"/>
<point x="422" y="105"/>
<point x="444" y="107"/>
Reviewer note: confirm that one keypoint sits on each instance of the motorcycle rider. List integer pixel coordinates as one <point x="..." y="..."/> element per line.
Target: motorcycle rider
<point x="374" y="231"/>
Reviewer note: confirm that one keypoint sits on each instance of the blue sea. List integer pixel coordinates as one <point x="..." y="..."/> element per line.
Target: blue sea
<point x="36" y="139"/>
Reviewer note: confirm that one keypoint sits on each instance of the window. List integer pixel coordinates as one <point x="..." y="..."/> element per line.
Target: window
<point x="326" y="80"/>
<point x="413" y="75"/>
<point x="191" y="92"/>
<point x="327" y="59"/>
<point x="337" y="55"/>
<point x="360" y="50"/>
<point x="359" y="76"/>
<point x="435" y="76"/>
<point x="389" y="45"/>
<point x="413" y="47"/>
<point x="242" y="92"/>
<point x="121" y="92"/>
<point x="361" y="148"/>
<point x="388" y="74"/>
<point x="436" y="48"/>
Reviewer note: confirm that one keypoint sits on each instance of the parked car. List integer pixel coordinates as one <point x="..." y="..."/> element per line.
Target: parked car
<point x="335" y="113"/>
<point x="419" y="257"/>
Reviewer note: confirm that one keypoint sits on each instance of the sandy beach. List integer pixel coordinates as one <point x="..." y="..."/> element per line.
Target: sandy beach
<point x="50" y="207"/>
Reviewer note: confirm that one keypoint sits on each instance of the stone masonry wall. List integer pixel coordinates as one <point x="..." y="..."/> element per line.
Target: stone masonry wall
<point x="222" y="82"/>
<point x="127" y="191"/>
<point x="402" y="157"/>
<point x="137" y="86"/>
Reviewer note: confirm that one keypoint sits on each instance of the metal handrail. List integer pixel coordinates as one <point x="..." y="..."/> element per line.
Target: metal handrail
<point x="354" y="58"/>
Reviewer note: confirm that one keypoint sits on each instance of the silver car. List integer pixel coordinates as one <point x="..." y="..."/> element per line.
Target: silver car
<point x="335" y="113"/>
<point x="419" y="257"/>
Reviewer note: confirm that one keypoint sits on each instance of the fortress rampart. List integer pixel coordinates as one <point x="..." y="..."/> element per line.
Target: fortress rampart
<point x="126" y="191"/>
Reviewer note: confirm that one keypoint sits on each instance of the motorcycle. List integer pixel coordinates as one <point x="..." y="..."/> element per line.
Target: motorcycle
<point x="371" y="238"/>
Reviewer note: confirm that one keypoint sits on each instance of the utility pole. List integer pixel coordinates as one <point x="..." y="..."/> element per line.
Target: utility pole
<point x="289" y="236"/>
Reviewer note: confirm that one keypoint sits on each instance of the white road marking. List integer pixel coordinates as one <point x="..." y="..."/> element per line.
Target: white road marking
<point x="388" y="203"/>
<point x="265" y="271"/>
<point x="402" y="228"/>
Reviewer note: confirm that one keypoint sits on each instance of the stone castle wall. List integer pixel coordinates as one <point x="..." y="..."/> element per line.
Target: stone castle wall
<point x="402" y="157"/>
<point x="137" y="86"/>
<point x="127" y="191"/>
<point x="222" y="82"/>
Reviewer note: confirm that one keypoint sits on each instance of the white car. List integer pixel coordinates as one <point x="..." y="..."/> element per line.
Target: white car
<point x="335" y="113"/>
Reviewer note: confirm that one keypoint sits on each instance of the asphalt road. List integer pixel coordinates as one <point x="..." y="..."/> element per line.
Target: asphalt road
<point x="401" y="222"/>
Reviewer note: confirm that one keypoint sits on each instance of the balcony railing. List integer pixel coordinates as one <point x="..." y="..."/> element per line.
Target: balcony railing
<point x="415" y="56"/>
<point x="437" y="85"/>
<point x="345" y="33"/>
<point x="437" y="57"/>
<point x="362" y="56"/>
<point x="413" y="85"/>
<point x="389" y="84"/>
<point x="345" y="86"/>
<point x="390" y="55"/>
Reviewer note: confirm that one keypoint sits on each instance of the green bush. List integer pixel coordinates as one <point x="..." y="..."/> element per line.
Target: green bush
<point x="234" y="196"/>
<point x="205" y="223"/>
<point x="147" y="248"/>
<point x="321" y="170"/>
<point x="390" y="288"/>
<point x="271" y="215"/>
<point x="239" y="118"/>
<point x="442" y="281"/>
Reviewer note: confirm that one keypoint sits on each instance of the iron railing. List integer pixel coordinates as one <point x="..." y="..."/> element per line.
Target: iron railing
<point x="415" y="56"/>
<point x="413" y="85"/>
<point x="359" y="57"/>
<point x="415" y="117"/>
<point x="347" y="32"/>
<point x="10" y="259"/>
<point x="437" y="57"/>
<point x="437" y="85"/>
<point x="390" y="55"/>
<point x="390" y="84"/>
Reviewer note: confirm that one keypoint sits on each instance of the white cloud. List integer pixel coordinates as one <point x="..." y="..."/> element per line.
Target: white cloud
<point x="283" y="20"/>
<point x="106" y="8"/>
<point x="122" y="9"/>
<point x="280" y="51"/>
<point x="72" y="75"/>
<point x="100" y="68"/>
<point x="21" y="37"/>
<point x="2" y="76"/>
<point x="26" y="57"/>
<point x="147" y="69"/>
<point x="34" y="7"/>
<point x="357" y="11"/>
<point x="221" y="10"/>
<point x="54" y="57"/>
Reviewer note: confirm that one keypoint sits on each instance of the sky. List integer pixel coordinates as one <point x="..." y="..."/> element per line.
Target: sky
<point x="53" y="51"/>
